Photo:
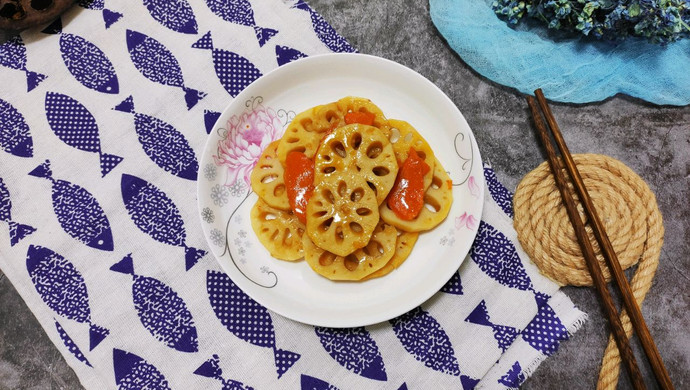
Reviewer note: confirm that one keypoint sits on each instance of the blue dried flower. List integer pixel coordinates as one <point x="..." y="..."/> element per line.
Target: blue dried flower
<point x="659" y="21"/>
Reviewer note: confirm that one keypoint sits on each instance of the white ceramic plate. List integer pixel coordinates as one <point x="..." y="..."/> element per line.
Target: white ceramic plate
<point x="260" y="114"/>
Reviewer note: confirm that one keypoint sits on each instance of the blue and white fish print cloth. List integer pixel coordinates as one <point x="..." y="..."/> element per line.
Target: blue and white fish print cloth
<point x="286" y="54"/>
<point x="74" y="124"/>
<point x="155" y="214"/>
<point x="103" y="118"/>
<point x="211" y="369"/>
<point x="85" y="61"/>
<point x="162" y="312"/>
<point x="17" y="230"/>
<point x="324" y="31"/>
<point x="133" y="372"/>
<point x="164" y="145"/>
<point x="234" y="71"/>
<point x="158" y="64"/>
<point x="245" y="318"/>
<point x="15" y="136"/>
<point x="177" y="15"/>
<point x="62" y="288"/>
<point x="241" y="12"/>
<point x="79" y="213"/>
<point x="109" y="16"/>
<point x="71" y="346"/>
<point x="13" y="56"/>
<point x="355" y="350"/>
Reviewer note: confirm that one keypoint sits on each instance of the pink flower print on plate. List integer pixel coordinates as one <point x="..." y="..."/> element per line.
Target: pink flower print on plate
<point x="247" y="136"/>
<point x="466" y="220"/>
<point x="473" y="187"/>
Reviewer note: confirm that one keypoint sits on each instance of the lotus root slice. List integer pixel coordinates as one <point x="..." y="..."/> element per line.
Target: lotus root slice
<point x="403" y="137"/>
<point x="437" y="201"/>
<point x="342" y="214"/>
<point x="403" y="247"/>
<point x="357" y="265"/>
<point x="267" y="179"/>
<point x="358" y="150"/>
<point x="279" y="231"/>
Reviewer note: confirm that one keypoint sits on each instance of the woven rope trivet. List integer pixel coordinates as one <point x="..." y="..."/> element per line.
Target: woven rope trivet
<point x="631" y="217"/>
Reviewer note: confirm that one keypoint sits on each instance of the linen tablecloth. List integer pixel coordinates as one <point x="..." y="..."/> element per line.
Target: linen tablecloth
<point x="103" y="115"/>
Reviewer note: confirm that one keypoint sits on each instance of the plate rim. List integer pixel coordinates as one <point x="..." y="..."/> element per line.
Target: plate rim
<point x="247" y="92"/>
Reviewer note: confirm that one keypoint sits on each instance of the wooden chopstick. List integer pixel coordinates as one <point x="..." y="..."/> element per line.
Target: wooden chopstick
<point x="629" y="301"/>
<point x="587" y="250"/>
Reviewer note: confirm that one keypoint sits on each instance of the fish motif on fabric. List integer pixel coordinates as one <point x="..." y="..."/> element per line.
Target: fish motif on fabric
<point x="324" y="31"/>
<point x="164" y="145"/>
<point x="176" y="15"/>
<point x="15" y="138"/>
<point x="74" y="124"/>
<point x="77" y="211"/>
<point x="210" y="119"/>
<point x="500" y="194"/>
<point x="354" y="349"/>
<point x="234" y="72"/>
<point x="286" y="54"/>
<point x="134" y="373"/>
<point x="13" y="56"/>
<point x="62" y="288"/>
<point x="310" y="383"/>
<point x="504" y="335"/>
<point x="158" y="64"/>
<point x="424" y="338"/>
<point x="155" y="214"/>
<point x="454" y="285"/>
<point x="211" y="369"/>
<point x="109" y="16"/>
<point x="514" y="377"/>
<point x="162" y="312"/>
<point x="240" y="12"/>
<point x="245" y="318"/>
<point x="85" y="61"/>
<point x="497" y="257"/>
<point x="70" y="345"/>
<point x="468" y="383"/>
<point x="17" y="230"/>
<point x="545" y="332"/>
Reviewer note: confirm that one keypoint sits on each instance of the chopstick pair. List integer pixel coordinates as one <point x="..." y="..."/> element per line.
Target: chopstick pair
<point x="629" y="302"/>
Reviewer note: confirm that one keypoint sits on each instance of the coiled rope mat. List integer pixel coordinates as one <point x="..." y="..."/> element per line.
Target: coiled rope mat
<point x="631" y="217"/>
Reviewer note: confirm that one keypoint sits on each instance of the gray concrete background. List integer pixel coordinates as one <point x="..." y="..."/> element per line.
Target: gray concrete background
<point x="653" y="141"/>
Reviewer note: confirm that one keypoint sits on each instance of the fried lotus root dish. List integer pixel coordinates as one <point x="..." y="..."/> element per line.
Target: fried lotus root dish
<point x="279" y="231"/>
<point x="342" y="214"/>
<point x="438" y="198"/>
<point x="403" y="248"/>
<point x="358" y="150"/>
<point x="357" y="265"/>
<point x="403" y="137"/>
<point x="352" y="104"/>
<point x="305" y="132"/>
<point x="267" y="179"/>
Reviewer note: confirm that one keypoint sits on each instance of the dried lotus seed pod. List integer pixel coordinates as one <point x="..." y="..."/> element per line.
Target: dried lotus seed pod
<point x="358" y="150"/>
<point x="341" y="214"/>
<point x="403" y="248"/>
<point x="305" y="132"/>
<point x="357" y="104"/>
<point x="403" y="137"/>
<point x="267" y="179"/>
<point x="437" y="201"/>
<point x="279" y="231"/>
<point x="357" y="265"/>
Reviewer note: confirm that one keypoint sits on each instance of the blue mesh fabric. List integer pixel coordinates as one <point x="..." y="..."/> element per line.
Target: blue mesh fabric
<point x="567" y="69"/>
